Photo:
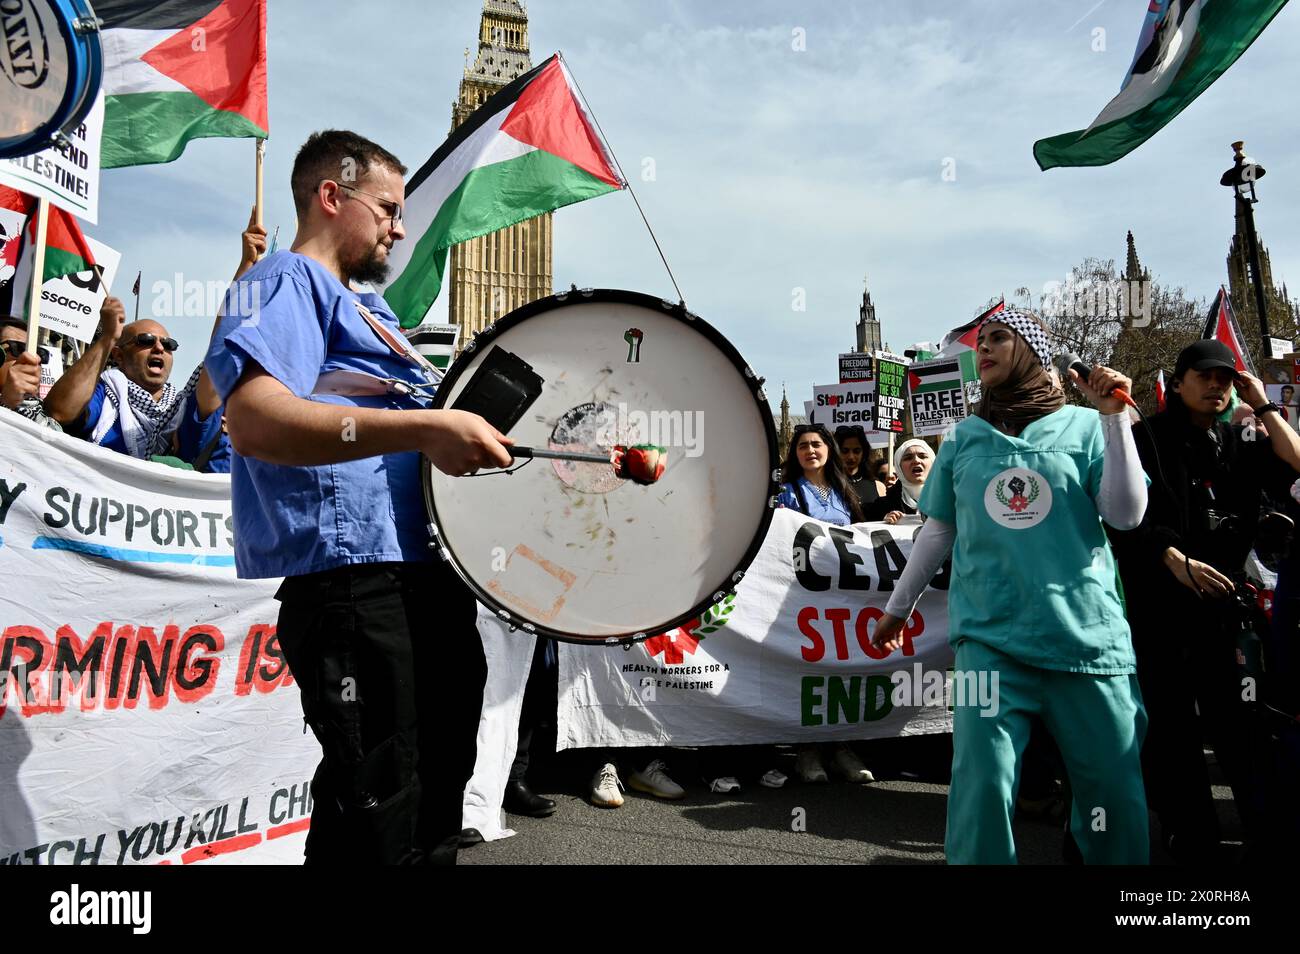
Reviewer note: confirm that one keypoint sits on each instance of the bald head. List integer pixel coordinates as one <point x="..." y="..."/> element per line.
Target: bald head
<point x="142" y="355"/>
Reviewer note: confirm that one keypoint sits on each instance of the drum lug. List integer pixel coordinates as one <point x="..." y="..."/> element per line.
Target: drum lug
<point x="771" y="503"/>
<point x="737" y="576"/>
<point x="87" y="24"/>
<point x="529" y="628"/>
<point x="435" y="542"/>
<point x="776" y="476"/>
<point x="761" y="394"/>
<point x="586" y="292"/>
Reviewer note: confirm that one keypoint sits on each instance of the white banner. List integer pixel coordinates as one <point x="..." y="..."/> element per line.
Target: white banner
<point x="146" y="713"/>
<point x="67" y="175"/>
<point x="70" y="305"/>
<point x="788" y="658"/>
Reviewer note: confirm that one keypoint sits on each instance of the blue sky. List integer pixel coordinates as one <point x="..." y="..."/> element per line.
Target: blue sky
<point x="775" y="169"/>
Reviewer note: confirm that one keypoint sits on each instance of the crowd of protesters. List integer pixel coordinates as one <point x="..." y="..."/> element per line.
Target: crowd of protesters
<point x="118" y="393"/>
<point x="1221" y="489"/>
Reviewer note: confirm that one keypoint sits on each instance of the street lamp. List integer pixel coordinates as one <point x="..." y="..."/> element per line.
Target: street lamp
<point x="1241" y="178"/>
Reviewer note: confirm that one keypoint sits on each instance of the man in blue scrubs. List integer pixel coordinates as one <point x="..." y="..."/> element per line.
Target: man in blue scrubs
<point x="379" y="636"/>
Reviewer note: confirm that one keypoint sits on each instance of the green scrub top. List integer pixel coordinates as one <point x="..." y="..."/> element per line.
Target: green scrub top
<point x="1032" y="572"/>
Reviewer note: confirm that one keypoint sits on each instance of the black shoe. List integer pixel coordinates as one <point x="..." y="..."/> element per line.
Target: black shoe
<point x="520" y="800"/>
<point x="469" y="837"/>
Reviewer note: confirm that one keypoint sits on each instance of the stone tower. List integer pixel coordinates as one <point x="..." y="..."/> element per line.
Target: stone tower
<point x="494" y="274"/>
<point x="1281" y="312"/>
<point x="1133" y="270"/>
<point x="785" y="428"/>
<point x="868" y="328"/>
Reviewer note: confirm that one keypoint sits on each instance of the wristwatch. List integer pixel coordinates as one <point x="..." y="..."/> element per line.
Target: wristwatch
<point x="1265" y="408"/>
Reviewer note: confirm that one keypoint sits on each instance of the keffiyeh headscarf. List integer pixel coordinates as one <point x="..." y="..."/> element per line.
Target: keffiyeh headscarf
<point x="147" y="425"/>
<point x="1028" y="392"/>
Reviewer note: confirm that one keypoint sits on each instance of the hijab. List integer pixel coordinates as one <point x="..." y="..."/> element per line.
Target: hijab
<point x="911" y="492"/>
<point x="1028" y="392"/>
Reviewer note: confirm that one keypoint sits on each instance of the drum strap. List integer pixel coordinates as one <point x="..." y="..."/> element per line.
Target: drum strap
<point x="355" y="383"/>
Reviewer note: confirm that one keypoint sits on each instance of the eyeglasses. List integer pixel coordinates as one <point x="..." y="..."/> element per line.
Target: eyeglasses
<point x="391" y="209"/>
<point x="147" y="339"/>
<point x="15" y="350"/>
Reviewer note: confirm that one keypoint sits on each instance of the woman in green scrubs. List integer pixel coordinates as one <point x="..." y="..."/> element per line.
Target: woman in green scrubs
<point x="1017" y="495"/>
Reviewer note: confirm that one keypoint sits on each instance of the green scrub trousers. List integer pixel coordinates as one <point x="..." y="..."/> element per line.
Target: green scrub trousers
<point x="1098" y="723"/>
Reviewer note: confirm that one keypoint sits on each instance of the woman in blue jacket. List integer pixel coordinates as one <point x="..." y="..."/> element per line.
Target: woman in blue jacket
<point x="1018" y="495"/>
<point x="815" y="482"/>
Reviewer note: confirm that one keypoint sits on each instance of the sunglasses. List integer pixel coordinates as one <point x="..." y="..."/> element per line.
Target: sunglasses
<point x="802" y="429"/>
<point x="147" y="340"/>
<point x="15" y="349"/>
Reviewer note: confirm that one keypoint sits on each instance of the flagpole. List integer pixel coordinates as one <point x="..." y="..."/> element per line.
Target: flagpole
<point x="257" y="205"/>
<point x="38" y="270"/>
<point x="627" y="183"/>
<point x="136" y="289"/>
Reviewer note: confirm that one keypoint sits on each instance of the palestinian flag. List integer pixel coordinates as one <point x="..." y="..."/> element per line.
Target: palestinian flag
<point x="66" y="249"/>
<point x="1221" y="325"/>
<point x="530" y="149"/>
<point x="178" y="70"/>
<point x="960" y="344"/>
<point x="1184" y="46"/>
<point x="1160" y="391"/>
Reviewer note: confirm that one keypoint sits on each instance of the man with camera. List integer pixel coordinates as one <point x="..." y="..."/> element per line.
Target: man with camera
<point x="1182" y="569"/>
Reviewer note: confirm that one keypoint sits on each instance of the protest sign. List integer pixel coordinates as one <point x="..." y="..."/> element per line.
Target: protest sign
<point x="786" y="658"/>
<point x="70" y="305"/>
<point x="936" y="395"/>
<point x="890" y="385"/>
<point x="67" y="173"/>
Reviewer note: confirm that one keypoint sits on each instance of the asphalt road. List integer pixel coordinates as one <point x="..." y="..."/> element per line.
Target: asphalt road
<point x="897" y="820"/>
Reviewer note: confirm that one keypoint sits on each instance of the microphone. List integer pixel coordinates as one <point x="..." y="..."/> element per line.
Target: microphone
<point x="1070" y="361"/>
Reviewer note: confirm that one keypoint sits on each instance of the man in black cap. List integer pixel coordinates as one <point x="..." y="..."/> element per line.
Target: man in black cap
<point x="1180" y="570"/>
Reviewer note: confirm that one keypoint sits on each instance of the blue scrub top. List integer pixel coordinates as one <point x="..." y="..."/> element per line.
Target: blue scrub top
<point x="833" y="511"/>
<point x="194" y="434"/>
<point x="290" y="315"/>
<point x="1032" y="571"/>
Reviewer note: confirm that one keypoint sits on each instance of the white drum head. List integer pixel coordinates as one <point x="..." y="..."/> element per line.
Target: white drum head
<point x="572" y="551"/>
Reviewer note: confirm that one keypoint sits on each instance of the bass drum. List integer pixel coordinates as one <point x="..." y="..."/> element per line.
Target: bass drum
<point x="51" y="66"/>
<point x="570" y="550"/>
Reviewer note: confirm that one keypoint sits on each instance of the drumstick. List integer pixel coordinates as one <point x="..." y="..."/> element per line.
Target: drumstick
<point x="643" y="463"/>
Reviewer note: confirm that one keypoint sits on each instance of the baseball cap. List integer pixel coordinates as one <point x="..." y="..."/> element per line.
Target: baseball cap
<point x="1204" y="355"/>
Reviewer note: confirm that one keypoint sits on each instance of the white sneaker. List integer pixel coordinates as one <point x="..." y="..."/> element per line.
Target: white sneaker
<point x="773" y="778"/>
<point x="654" y="780"/>
<point x="724" y="785"/>
<point x="605" y="787"/>
<point x="809" y="766"/>
<point x="850" y="766"/>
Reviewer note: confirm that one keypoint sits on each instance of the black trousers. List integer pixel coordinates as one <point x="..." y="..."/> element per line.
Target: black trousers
<point x="537" y="712"/>
<point x="1192" y="690"/>
<point x="391" y="672"/>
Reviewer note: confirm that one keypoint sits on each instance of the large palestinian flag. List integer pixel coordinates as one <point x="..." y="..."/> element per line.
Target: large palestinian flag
<point x="177" y="70"/>
<point x="66" y="249"/>
<point x="1184" y="46"/>
<point x="531" y="148"/>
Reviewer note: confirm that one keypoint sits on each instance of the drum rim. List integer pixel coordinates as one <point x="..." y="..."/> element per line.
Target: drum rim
<point x="675" y="310"/>
<point x="86" y="75"/>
